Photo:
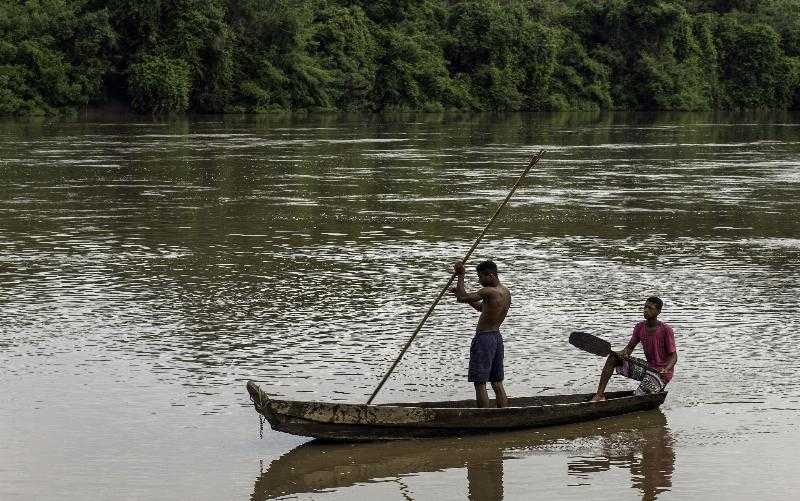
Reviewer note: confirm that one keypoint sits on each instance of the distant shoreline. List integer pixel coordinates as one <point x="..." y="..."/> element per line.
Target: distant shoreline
<point x="332" y="56"/>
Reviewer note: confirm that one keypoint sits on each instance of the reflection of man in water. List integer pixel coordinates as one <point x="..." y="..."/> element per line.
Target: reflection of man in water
<point x="647" y="451"/>
<point x="486" y="352"/>
<point x="658" y="343"/>
<point x="485" y="479"/>
<point x="653" y="473"/>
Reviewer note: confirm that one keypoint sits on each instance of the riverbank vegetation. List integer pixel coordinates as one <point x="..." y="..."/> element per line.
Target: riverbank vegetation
<point x="252" y="56"/>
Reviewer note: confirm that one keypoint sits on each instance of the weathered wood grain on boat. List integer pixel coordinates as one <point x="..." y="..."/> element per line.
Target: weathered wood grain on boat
<point x="339" y="421"/>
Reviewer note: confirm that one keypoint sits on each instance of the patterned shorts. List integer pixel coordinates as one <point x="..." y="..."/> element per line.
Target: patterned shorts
<point x="650" y="380"/>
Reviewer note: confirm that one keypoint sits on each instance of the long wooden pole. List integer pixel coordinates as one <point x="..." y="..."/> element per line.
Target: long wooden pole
<point x="534" y="159"/>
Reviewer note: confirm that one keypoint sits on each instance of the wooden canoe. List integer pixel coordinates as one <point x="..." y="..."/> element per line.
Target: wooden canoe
<point x="351" y="422"/>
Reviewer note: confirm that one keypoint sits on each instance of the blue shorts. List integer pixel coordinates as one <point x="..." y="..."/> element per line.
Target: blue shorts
<point x="486" y="357"/>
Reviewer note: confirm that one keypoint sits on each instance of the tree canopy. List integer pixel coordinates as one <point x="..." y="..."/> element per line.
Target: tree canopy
<point x="252" y="56"/>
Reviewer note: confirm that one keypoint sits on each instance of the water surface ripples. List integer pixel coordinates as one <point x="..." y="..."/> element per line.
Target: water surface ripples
<point x="302" y="252"/>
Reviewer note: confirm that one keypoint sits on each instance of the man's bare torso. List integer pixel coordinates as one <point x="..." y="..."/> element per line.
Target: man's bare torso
<point x="494" y="307"/>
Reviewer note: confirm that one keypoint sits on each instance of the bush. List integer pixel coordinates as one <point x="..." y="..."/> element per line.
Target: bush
<point x="508" y="57"/>
<point x="54" y="55"/>
<point x="348" y="51"/>
<point x="754" y="70"/>
<point x="412" y="74"/>
<point x="159" y="84"/>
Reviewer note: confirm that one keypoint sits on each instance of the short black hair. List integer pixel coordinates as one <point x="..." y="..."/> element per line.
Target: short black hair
<point x="487" y="266"/>
<point x="656" y="301"/>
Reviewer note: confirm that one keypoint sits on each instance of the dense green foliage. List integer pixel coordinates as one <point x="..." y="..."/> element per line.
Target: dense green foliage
<point x="168" y="56"/>
<point x="160" y="84"/>
<point x="53" y="54"/>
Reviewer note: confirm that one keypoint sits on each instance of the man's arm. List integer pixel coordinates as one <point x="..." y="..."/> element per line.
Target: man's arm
<point x="673" y="352"/>
<point x="462" y="296"/>
<point x="626" y="352"/>
<point x="671" y="361"/>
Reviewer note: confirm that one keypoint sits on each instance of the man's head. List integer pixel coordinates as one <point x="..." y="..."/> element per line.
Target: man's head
<point x="487" y="273"/>
<point x="652" y="307"/>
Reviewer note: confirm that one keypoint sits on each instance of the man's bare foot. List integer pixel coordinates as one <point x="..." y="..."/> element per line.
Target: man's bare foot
<point x="598" y="397"/>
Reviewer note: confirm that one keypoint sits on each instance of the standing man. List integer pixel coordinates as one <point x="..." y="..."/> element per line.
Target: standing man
<point x="658" y="343"/>
<point x="486" y="352"/>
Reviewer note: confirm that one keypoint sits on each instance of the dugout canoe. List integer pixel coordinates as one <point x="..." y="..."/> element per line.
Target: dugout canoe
<point x="359" y="422"/>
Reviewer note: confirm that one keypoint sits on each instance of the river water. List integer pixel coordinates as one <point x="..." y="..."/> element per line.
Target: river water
<point x="148" y="269"/>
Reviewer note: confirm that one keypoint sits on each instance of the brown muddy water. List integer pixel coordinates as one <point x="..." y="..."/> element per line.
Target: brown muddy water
<point x="148" y="269"/>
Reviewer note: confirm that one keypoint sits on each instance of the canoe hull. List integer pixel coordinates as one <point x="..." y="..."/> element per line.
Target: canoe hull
<point x="355" y="422"/>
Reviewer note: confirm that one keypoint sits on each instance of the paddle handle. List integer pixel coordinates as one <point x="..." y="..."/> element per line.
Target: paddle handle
<point x="534" y="159"/>
<point x="597" y="346"/>
<point x="634" y="361"/>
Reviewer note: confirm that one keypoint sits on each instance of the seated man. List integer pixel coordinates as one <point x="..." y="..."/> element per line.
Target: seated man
<point x="658" y="343"/>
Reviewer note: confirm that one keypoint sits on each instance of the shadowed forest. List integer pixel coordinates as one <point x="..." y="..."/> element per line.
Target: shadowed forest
<point x="255" y="56"/>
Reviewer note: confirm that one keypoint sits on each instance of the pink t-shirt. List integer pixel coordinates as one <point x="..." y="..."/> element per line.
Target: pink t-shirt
<point x="657" y="345"/>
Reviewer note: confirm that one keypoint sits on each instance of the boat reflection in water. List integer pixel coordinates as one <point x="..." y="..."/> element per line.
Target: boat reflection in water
<point x="639" y="442"/>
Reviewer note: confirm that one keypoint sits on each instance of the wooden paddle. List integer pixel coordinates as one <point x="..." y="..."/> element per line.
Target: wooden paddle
<point x="531" y="162"/>
<point x="596" y="346"/>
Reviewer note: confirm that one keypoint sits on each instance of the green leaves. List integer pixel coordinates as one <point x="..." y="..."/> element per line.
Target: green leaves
<point x="755" y="71"/>
<point x="172" y="56"/>
<point x="159" y="84"/>
<point x="508" y="57"/>
<point x="273" y="58"/>
<point x="344" y="43"/>
<point x="53" y="55"/>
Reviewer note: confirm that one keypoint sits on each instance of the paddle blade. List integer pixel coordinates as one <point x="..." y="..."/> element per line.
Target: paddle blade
<point x="590" y="343"/>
